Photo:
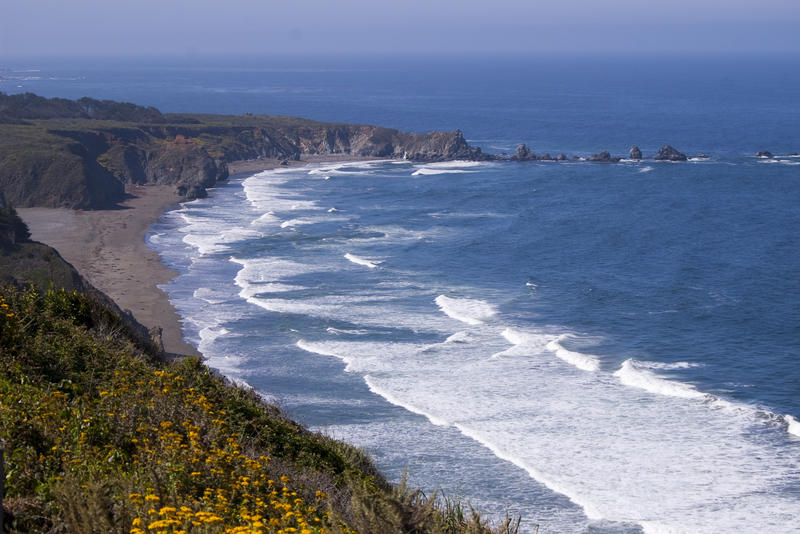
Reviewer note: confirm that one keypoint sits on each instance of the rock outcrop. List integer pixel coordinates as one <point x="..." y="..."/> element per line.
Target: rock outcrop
<point x="668" y="153"/>
<point x="765" y="154"/>
<point x="602" y="157"/>
<point x="523" y="153"/>
<point x="635" y="153"/>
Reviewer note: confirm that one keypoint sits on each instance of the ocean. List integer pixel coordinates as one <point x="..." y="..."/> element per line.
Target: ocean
<point x="597" y="348"/>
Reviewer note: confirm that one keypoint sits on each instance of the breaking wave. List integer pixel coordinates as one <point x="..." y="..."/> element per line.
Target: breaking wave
<point x="470" y="311"/>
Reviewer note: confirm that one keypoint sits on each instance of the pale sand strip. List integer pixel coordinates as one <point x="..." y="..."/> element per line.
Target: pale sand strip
<point x="107" y="247"/>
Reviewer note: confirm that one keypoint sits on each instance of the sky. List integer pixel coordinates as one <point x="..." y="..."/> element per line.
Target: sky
<point x="392" y="27"/>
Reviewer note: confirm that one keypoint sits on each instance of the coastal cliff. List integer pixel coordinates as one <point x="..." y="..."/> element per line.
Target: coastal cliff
<point x="81" y="154"/>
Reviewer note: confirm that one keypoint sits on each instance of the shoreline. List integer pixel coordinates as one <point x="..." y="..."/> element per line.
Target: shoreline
<point x="108" y="248"/>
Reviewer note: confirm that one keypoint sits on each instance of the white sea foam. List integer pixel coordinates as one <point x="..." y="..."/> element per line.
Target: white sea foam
<point x="470" y="311"/>
<point x="585" y="362"/>
<point x="459" y="337"/>
<point x="533" y="340"/>
<point x="425" y="171"/>
<point x="448" y="167"/>
<point x="523" y="344"/>
<point x="209" y="295"/>
<point x="208" y="337"/>
<point x="361" y="356"/>
<point x="792" y="425"/>
<point x="319" y="348"/>
<point x="357" y="309"/>
<point x="780" y="161"/>
<point x="438" y="421"/>
<point x="456" y="164"/>
<point x="632" y="375"/>
<point x="211" y="240"/>
<point x="347" y="168"/>
<point x="210" y="334"/>
<point x="667" y="366"/>
<point x="646" y="169"/>
<point x="347" y="331"/>
<point x="267" y="218"/>
<point x="266" y="192"/>
<point x="361" y="261"/>
<point x="265" y="275"/>
<point x="558" y="486"/>
<point x="291" y="223"/>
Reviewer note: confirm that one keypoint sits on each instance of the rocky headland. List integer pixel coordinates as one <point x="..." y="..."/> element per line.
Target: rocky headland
<point x="82" y="154"/>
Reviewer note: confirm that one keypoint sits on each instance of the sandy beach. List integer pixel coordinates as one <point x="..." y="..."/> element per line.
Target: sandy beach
<point x="108" y="247"/>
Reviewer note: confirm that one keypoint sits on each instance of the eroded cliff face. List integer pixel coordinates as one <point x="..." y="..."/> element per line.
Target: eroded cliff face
<point x="68" y="178"/>
<point x="85" y="164"/>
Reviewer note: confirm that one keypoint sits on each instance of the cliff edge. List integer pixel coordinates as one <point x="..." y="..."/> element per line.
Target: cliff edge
<point x="81" y="154"/>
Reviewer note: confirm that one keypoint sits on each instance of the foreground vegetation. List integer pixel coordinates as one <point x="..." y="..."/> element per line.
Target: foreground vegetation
<point x="103" y="436"/>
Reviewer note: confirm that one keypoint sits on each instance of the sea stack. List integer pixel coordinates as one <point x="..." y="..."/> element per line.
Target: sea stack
<point x="668" y="153"/>
<point x="523" y="153"/>
<point x="635" y="153"/>
<point x="602" y="157"/>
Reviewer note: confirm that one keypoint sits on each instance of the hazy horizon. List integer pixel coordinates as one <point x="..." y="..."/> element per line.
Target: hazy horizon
<point x="356" y="27"/>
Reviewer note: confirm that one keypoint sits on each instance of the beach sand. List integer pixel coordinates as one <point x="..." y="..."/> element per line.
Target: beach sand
<point x="107" y="247"/>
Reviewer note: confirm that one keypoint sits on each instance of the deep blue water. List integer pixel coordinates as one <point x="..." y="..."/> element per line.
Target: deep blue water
<point x="602" y="348"/>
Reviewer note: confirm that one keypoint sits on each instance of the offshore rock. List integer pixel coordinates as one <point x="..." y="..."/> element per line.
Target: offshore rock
<point x="602" y="157"/>
<point x="765" y="154"/>
<point x="668" y="153"/>
<point x="635" y="153"/>
<point x="523" y="153"/>
<point x="561" y="157"/>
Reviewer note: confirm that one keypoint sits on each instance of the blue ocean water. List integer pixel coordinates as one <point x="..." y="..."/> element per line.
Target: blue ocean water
<point x="600" y="348"/>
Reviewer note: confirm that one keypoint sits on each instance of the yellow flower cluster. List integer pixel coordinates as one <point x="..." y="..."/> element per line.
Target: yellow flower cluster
<point x="164" y="436"/>
<point x="204" y="482"/>
<point x="4" y="309"/>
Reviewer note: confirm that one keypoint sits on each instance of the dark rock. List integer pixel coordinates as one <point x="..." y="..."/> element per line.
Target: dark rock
<point x="561" y="157"/>
<point x="284" y="163"/>
<point x="765" y="154"/>
<point x="635" y="153"/>
<point x="702" y="156"/>
<point x="191" y="191"/>
<point x="546" y="157"/>
<point x="794" y="155"/>
<point x="668" y="153"/>
<point x="523" y="153"/>
<point x="602" y="157"/>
